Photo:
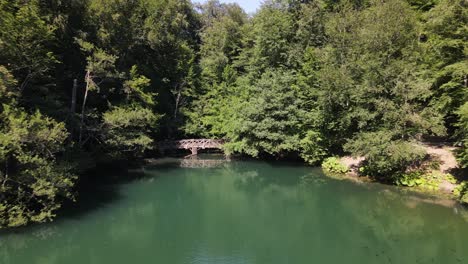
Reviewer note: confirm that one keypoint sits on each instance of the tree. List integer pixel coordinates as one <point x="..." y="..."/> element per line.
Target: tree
<point x="99" y="70"/>
<point x="270" y="121"/>
<point x="128" y="127"/>
<point x="268" y="39"/>
<point x="26" y="39"/>
<point x="301" y="78"/>
<point x="446" y="47"/>
<point x="221" y="43"/>
<point x="463" y="135"/>
<point x="33" y="181"/>
<point x="369" y="82"/>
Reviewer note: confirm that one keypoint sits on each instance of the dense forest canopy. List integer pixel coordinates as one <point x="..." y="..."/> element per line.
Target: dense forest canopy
<point x="84" y="82"/>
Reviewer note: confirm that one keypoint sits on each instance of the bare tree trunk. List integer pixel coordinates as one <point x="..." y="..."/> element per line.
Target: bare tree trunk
<point x="73" y="102"/>
<point x="88" y="81"/>
<point x="179" y="98"/>
<point x="25" y="82"/>
<point x="6" y="174"/>
<point x="177" y="102"/>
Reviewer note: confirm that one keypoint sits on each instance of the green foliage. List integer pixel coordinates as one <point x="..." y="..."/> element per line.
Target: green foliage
<point x="272" y="31"/>
<point x="463" y="135"/>
<point x="358" y="76"/>
<point x="385" y="156"/>
<point x="446" y="50"/>
<point x="222" y="41"/>
<point x="410" y="179"/>
<point x="313" y="148"/>
<point x="334" y="165"/>
<point x="423" y="5"/>
<point x="373" y="100"/>
<point x="7" y="86"/>
<point x="127" y="129"/>
<point x="99" y="63"/>
<point x="33" y="181"/>
<point x="25" y="41"/>
<point x="269" y="122"/>
<point x="136" y="88"/>
<point x="427" y="180"/>
<point x="157" y="37"/>
<point x="368" y="77"/>
<point x="461" y="192"/>
<point x="300" y="79"/>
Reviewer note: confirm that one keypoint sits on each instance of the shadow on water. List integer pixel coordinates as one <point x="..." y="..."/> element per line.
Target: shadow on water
<point x="96" y="189"/>
<point x="101" y="187"/>
<point x="250" y="211"/>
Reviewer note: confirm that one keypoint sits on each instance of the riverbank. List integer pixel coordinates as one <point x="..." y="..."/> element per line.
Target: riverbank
<point x="440" y="175"/>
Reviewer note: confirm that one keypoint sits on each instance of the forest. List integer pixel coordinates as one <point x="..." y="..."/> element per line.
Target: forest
<point x="89" y="82"/>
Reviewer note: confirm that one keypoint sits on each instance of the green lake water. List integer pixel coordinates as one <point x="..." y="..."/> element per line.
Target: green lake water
<point x="203" y="212"/>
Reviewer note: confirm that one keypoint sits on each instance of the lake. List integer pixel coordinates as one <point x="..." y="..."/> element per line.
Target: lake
<point x="212" y="211"/>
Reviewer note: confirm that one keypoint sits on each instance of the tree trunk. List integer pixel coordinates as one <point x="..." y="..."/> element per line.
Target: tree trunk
<point x="177" y="102"/>
<point x="88" y="81"/>
<point x="6" y="174"/>
<point x="73" y="102"/>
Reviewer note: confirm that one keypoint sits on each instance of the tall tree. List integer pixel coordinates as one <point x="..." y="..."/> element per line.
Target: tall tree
<point x="370" y="88"/>
<point x="33" y="181"/>
<point x="446" y="39"/>
<point x="221" y="43"/>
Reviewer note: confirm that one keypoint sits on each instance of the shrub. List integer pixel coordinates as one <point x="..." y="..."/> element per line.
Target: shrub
<point x="127" y="129"/>
<point x="462" y="153"/>
<point x="429" y="180"/>
<point x="410" y="179"/>
<point x="385" y="156"/>
<point x="34" y="181"/>
<point x="312" y="148"/>
<point x="334" y="165"/>
<point x="461" y="192"/>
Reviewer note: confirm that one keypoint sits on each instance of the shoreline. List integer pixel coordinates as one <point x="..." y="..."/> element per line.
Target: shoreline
<point x="444" y="180"/>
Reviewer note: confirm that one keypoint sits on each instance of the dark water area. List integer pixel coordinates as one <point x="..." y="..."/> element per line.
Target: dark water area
<point x="212" y="211"/>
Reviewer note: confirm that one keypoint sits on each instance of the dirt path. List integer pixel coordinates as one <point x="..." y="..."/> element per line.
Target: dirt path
<point x="448" y="163"/>
<point x="352" y="163"/>
<point x="444" y="154"/>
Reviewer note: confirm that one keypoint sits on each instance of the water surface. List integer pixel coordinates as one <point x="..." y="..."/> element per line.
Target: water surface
<point x="243" y="212"/>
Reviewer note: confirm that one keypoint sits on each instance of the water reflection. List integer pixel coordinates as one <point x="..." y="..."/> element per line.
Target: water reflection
<point x="246" y="212"/>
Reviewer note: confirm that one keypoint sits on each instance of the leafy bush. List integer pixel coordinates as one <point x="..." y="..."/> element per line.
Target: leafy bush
<point x="127" y="129"/>
<point x="334" y="165"/>
<point x="409" y="179"/>
<point x="270" y="121"/>
<point x="462" y="154"/>
<point x="428" y="181"/>
<point x="431" y="181"/>
<point x="461" y="192"/>
<point x="312" y="149"/>
<point x="385" y="156"/>
<point x="34" y="181"/>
